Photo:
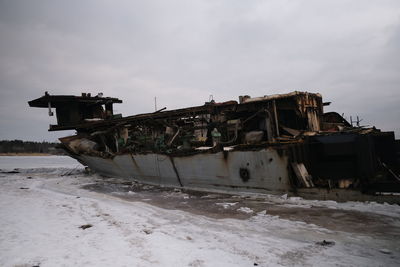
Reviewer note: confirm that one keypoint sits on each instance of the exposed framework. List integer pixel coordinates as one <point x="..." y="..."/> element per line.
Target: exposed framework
<point x="265" y="119"/>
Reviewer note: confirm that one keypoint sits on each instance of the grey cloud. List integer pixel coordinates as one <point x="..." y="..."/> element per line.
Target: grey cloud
<point x="184" y="51"/>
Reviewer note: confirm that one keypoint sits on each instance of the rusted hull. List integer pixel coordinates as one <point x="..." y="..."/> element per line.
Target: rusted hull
<point x="254" y="171"/>
<point x="274" y="143"/>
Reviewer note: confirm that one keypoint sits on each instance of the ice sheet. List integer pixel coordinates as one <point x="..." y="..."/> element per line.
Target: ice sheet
<point x="41" y="214"/>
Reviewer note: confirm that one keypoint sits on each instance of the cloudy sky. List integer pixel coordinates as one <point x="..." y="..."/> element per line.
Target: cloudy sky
<point x="184" y="51"/>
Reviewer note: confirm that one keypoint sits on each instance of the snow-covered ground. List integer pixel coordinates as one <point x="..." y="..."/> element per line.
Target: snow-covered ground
<point x="52" y="214"/>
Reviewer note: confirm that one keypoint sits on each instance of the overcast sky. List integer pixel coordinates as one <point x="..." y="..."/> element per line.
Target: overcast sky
<point x="184" y="51"/>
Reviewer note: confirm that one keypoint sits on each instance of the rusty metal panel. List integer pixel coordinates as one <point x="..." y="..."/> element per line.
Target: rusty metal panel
<point x="200" y="169"/>
<point x="148" y="168"/>
<point x="139" y="167"/>
<point x="238" y="169"/>
<point x="167" y="171"/>
<point x="103" y="166"/>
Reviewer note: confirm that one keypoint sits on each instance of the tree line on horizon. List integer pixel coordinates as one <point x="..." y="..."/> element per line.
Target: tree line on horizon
<point x="19" y="146"/>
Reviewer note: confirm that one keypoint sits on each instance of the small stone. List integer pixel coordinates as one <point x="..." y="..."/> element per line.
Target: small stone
<point x="147" y="231"/>
<point x="85" y="226"/>
<point x="325" y="243"/>
<point x="385" y="251"/>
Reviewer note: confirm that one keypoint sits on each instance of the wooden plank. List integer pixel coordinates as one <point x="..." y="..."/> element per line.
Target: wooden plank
<point x="302" y="174"/>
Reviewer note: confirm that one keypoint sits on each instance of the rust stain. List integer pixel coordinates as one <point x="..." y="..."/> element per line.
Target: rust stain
<point x="176" y="171"/>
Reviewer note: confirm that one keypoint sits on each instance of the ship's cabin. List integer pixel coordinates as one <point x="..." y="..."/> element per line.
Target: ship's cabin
<point x="72" y="111"/>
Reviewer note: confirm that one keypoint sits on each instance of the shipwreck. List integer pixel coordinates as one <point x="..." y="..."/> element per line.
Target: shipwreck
<point x="278" y="144"/>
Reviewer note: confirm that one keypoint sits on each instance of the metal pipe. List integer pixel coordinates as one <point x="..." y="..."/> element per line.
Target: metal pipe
<point x="234" y="137"/>
<point x="50" y="112"/>
<point x="276" y="119"/>
<point x="157" y="111"/>
<point x="173" y="138"/>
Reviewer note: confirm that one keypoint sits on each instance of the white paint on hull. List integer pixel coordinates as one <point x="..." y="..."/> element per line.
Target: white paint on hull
<point x="267" y="170"/>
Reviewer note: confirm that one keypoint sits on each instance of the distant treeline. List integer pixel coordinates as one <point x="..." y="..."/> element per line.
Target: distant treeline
<point x="19" y="146"/>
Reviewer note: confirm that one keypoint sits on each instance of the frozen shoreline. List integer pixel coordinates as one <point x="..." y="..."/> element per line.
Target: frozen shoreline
<point x="9" y="163"/>
<point x="26" y="154"/>
<point x="42" y="213"/>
